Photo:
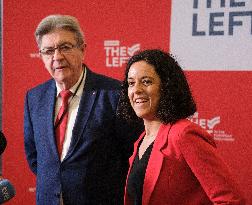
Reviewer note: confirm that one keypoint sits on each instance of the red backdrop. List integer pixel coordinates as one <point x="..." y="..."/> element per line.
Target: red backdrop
<point x="223" y="97"/>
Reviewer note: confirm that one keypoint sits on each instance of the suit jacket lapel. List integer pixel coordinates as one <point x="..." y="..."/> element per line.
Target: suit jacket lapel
<point x="155" y="163"/>
<point x="85" y="107"/>
<point x="131" y="159"/>
<point x="47" y="111"/>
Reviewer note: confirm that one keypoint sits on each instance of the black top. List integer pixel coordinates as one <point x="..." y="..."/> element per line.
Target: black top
<point x="136" y="176"/>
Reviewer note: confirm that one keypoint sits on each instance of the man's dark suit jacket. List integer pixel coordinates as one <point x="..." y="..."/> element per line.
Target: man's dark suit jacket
<point x="95" y="167"/>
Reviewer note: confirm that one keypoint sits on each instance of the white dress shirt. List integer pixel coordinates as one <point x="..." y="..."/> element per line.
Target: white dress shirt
<point x="73" y="106"/>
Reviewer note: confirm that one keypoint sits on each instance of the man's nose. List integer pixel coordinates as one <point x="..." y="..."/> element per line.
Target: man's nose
<point x="57" y="55"/>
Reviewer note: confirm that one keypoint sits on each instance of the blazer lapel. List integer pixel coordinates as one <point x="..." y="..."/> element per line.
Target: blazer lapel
<point x="85" y="107"/>
<point x="155" y="163"/>
<point x="131" y="159"/>
<point x="46" y="111"/>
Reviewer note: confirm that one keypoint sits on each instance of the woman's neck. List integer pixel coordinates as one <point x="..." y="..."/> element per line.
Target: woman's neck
<point x="151" y="127"/>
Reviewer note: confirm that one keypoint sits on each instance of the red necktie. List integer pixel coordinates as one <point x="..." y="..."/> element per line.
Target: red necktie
<point x="61" y="120"/>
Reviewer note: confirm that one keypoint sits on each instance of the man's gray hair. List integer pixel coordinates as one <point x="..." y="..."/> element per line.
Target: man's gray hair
<point x="54" y="22"/>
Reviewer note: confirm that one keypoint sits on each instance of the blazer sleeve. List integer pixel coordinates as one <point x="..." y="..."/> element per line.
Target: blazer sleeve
<point x="29" y="142"/>
<point x="208" y="167"/>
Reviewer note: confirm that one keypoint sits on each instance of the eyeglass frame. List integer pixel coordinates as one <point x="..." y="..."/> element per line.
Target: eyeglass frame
<point x="60" y="49"/>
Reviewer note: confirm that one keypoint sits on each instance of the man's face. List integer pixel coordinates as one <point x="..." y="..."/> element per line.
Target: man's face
<point x="64" y="63"/>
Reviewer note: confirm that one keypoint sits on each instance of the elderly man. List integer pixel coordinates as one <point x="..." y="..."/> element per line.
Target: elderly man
<point x="74" y="143"/>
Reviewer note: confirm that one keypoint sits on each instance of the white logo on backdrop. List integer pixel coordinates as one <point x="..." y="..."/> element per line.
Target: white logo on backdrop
<point x="209" y="125"/>
<point x="34" y="55"/>
<point x="212" y="34"/>
<point x="117" y="55"/>
<point x="32" y="189"/>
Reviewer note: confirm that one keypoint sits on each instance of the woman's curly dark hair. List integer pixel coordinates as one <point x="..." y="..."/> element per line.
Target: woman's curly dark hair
<point x="176" y="101"/>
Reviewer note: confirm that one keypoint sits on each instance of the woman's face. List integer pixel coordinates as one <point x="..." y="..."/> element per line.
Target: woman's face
<point x="144" y="90"/>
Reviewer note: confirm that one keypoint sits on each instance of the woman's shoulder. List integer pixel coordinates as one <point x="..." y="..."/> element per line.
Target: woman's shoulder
<point x="186" y="131"/>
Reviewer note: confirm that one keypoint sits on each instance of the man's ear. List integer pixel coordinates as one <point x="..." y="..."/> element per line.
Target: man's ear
<point x="83" y="47"/>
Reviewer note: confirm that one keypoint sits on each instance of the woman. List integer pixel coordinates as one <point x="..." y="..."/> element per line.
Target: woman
<point x="175" y="162"/>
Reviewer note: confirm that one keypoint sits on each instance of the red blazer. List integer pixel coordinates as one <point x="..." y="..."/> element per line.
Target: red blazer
<point x="185" y="169"/>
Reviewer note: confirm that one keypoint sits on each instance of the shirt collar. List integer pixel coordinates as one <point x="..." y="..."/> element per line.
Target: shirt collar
<point x="73" y="88"/>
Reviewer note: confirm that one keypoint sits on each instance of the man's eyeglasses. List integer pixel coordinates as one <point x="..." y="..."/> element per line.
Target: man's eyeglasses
<point x="63" y="49"/>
